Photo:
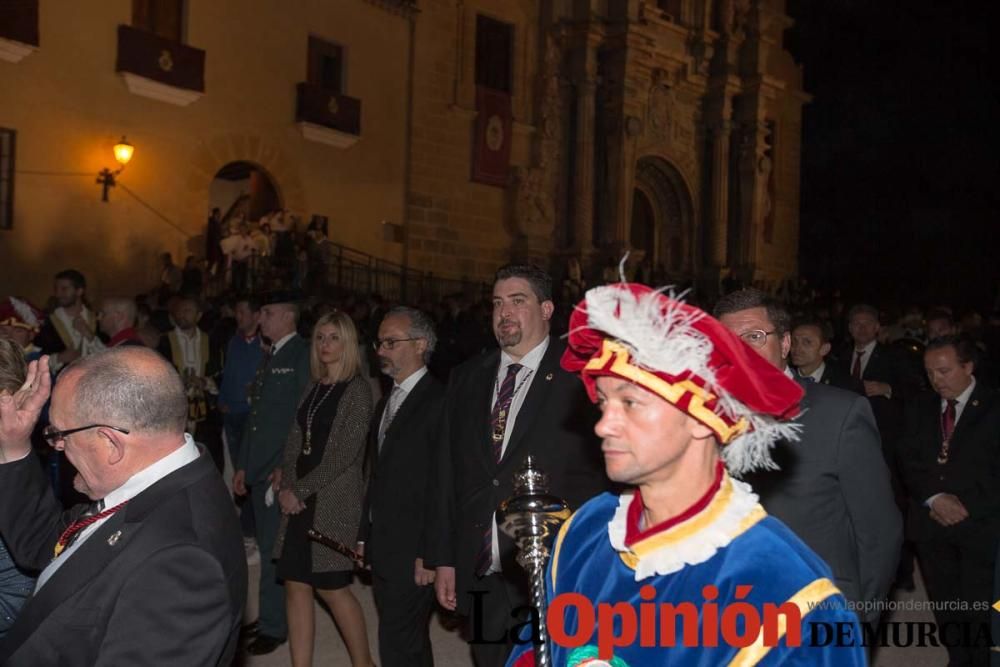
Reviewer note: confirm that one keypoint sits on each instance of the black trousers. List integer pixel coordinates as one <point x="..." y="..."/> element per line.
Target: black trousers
<point x="960" y="568"/>
<point x="404" y="611"/>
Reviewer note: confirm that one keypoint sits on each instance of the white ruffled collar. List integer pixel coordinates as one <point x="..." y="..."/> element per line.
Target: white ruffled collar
<point x="730" y="512"/>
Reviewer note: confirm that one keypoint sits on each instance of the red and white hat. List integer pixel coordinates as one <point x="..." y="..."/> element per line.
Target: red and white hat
<point x="19" y="313"/>
<point x="689" y="359"/>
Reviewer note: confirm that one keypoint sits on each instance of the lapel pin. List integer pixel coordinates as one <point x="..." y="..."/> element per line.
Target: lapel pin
<point x="548" y="377"/>
<point x="113" y="540"/>
<point x="975" y="403"/>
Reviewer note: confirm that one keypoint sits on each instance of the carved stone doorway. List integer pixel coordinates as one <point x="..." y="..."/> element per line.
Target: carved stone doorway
<point x="243" y="190"/>
<point x="661" y="226"/>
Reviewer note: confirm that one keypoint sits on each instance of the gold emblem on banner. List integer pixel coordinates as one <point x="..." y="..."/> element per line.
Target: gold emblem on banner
<point x="494" y="133"/>
<point x="166" y="61"/>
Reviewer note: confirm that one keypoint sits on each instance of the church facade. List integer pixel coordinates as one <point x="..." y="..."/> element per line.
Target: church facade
<point x="443" y="136"/>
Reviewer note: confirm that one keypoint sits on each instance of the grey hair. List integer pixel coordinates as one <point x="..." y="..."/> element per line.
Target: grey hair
<point x="421" y="326"/>
<point x="130" y="387"/>
<point x="122" y="305"/>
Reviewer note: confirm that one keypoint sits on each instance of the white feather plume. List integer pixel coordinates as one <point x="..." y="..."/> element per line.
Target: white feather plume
<point x="664" y="339"/>
<point x="24" y="311"/>
<point x="658" y="339"/>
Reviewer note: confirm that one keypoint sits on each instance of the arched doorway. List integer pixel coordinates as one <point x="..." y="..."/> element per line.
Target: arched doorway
<point x="243" y="189"/>
<point x="244" y="193"/>
<point x="661" y="224"/>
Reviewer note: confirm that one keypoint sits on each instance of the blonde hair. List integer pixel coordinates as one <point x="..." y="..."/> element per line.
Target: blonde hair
<point x="350" y="362"/>
<point x="13" y="370"/>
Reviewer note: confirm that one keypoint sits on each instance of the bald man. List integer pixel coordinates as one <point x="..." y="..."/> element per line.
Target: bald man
<point x="153" y="571"/>
<point x="116" y="320"/>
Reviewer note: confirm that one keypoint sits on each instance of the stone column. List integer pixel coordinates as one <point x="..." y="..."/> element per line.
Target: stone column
<point x="583" y="174"/>
<point x="717" y="252"/>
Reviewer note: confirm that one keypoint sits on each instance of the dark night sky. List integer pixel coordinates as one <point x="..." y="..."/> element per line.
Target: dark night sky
<point x="899" y="157"/>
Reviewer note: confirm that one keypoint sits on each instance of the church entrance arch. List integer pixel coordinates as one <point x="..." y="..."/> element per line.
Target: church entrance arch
<point x="662" y="219"/>
<point x="243" y="191"/>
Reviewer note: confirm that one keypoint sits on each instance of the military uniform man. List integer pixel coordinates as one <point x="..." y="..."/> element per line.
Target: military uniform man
<point x="274" y="395"/>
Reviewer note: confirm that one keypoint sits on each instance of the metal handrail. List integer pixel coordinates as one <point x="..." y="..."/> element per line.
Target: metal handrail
<point x="359" y="271"/>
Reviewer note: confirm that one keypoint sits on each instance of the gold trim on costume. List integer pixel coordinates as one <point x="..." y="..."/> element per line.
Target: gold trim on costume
<point x="806" y="600"/>
<point x="618" y="354"/>
<point x="688" y="529"/>
<point x="558" y="545"/>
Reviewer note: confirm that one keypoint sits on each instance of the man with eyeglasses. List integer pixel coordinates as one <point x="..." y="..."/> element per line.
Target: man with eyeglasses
<point x="832" y="487"/>
<point x="404" y="435"/>
<point x="153" y="571"/>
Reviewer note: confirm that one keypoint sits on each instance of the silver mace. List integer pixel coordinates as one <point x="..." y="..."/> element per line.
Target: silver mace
<point x="531" y="517"/>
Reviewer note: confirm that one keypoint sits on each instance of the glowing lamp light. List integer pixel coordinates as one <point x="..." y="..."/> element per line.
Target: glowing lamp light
<point x="106" y="178"/>
<point x="123" y="151"/>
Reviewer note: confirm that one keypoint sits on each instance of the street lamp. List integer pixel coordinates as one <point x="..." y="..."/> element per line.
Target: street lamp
<point x="106" y="177"/>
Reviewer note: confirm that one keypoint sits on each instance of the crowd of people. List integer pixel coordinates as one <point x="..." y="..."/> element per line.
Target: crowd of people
<point x="813" y="451"/>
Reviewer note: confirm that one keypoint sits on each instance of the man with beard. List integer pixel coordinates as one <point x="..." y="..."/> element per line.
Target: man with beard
<point x="188" y="347"/>
<point x="501" y="407"/>
<point x="403" y="441"/>
<point x="70" y="332"/>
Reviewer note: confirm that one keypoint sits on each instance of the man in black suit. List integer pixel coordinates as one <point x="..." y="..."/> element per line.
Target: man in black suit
<point x="405" y="431"/>
<point x="887" y="381"/>
<point x="884" y="374"/>
<point x="501" y="407"/>
<point x="154" y="572"/>
<point x="810" y="347"/>
<point x="832" y="488"/>
<point x="951" y="466"/>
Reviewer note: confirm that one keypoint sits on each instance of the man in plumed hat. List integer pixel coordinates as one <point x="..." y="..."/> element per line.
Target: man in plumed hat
<point x="274" y="395"/>
<point x="683" y="404"/>
<point x="21" y="322"/>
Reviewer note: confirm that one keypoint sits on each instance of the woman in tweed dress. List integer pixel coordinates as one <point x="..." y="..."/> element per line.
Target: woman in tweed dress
<point x="322" y="487"/>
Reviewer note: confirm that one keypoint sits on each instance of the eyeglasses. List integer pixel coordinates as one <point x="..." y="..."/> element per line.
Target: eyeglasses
<point x="52" y="435"/>
<point x="756" y="338"/>
<point x="389" y="343"/>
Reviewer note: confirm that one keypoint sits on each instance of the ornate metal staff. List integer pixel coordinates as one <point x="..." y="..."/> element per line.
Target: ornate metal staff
<point x="328" y="541"/>
<point x="531" y="517"/>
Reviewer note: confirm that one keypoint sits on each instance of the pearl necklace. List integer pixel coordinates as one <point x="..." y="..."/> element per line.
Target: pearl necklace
<point x="311" y="413"/>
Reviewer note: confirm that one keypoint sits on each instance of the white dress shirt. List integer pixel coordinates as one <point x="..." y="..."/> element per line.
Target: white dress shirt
<point x="392" y="405"/>
<point x="960" y="402"/>
<point x="816" y="375"/>
<point x="280" y="343"/>
<point x="132" y="487"/>
<point x="866" y="355"/>
<point x="522" y="383"/>
<point x="190" y="350"/>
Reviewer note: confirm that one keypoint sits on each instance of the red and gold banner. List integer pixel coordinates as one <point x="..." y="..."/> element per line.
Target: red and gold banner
<point x="491" y="144"/>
